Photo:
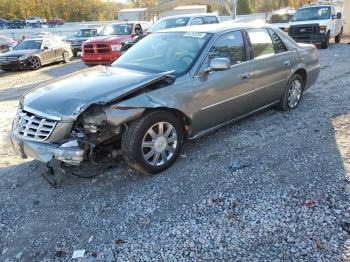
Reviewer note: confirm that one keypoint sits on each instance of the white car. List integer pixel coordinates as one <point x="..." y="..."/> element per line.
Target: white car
<point x="281" y="19"/>
<point x="317" y="23"/>
<point x="35" y="20"/>
<point x="184" y="20"/>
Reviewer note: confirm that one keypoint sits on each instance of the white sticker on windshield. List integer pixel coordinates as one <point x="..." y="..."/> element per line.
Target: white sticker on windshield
<point x="195" y="34"/>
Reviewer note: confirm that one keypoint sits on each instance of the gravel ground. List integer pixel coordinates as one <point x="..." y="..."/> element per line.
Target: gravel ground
<point x="273" y="187"/>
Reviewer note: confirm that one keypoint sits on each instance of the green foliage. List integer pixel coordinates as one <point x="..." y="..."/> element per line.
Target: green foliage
<point x="69" y="10"/>
<point x="243" y="7"/>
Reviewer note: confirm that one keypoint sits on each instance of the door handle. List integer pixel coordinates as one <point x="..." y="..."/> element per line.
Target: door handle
<point x="246" y="75"/>
<point x="286" y="63"/>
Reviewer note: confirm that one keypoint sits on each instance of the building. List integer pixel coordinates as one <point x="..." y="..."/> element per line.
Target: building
<point x="184" y="10"/>
<point x="133" y="14"/>
<point x="346" y="16"/>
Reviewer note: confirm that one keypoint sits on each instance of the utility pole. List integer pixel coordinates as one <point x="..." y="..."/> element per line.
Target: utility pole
<point x="234" y="9"/>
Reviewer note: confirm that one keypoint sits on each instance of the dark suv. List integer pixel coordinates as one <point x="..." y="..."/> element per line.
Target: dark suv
<point x="79" y="38"/>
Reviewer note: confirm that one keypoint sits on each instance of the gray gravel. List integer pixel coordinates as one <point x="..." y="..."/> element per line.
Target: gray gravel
<point x="274" y="187"/>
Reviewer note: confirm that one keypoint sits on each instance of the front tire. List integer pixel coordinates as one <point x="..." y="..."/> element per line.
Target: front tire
<point x="339" y="37"/>
<point x="153" y="143"/>
<point x="292" y="93"/>
<point x="325" y="43"/>
<point x="35" y="63"/>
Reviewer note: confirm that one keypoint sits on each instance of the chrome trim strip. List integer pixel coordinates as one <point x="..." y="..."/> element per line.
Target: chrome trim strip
<point x="206" y="131"/>
<point x="38" y="113"/>
<point x="232" y="98"/>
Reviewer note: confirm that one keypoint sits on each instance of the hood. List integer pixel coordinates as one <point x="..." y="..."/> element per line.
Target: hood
<point x="109" y="39"/>
<point x="18" y="53"/>
<point x="67" y="97"/>
<point x="309" y="22"/>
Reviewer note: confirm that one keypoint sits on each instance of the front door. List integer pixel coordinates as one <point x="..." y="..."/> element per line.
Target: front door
<point x="225" y="95"/>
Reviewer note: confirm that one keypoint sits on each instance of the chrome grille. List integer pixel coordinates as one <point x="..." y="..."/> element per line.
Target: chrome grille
<point x="33" y="127"/>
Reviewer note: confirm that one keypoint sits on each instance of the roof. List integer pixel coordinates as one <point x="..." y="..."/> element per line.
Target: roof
<point x="185" y="7"/>
<point x="189" y="15"/>
<point x="129" y="10"/>
<point x="214" y="28"/>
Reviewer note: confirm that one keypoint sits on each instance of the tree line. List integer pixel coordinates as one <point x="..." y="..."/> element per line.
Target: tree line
<point x="87" y="10"/>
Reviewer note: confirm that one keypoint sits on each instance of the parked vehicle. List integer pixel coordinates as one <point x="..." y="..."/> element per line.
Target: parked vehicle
<point x="34" y="53"/>
<point x="173" y="22"/>
<point x="106" y="48"/>
<point x="153" y="97"/>
<point x="79" y="38"/>
<point x="33" y="21"/>
<point x="6" y="43"/>
<point x="3" y="23"/>
<point x="281" y="19"/>
<point x="55" y="22"/>
<point x="317" y="23"/>
<point x="16" y="24"/>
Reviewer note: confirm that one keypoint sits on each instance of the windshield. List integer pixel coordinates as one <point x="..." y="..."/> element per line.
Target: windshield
<point x="118" y="29"/>
<point x="168" y="23"/>
<point x="85" y="33"/>
<point x="152" y="54"/>
<point x="28" y="44"/>
<point x="276" y="19"/>
<point x="312" y="13"/>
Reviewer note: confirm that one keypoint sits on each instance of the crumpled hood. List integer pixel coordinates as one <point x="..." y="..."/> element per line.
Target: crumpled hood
<point x="18" y="53"/>
<point x="67" y="97"/>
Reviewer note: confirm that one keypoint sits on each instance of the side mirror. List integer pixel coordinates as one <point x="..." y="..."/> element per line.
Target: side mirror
<point x="339" y="15"/>
<point x="45" y="48"/>
<point x="220" y="64"/>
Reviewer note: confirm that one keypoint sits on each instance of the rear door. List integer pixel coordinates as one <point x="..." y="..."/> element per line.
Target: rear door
<point x="48" y="53"/>
<point x="225" y="95"/>
<point x="272" y="65"/>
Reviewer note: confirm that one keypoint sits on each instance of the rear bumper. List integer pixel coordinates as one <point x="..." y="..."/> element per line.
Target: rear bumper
<point x="100" y="59"/>
<point x="45" y="152"/>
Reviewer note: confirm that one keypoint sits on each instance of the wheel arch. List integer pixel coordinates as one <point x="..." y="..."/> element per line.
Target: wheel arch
<point x="183" y="118"/>
<point x="303" y="73"/>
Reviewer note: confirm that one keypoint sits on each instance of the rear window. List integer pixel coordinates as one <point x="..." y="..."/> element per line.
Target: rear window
<point x="211" y="20"/>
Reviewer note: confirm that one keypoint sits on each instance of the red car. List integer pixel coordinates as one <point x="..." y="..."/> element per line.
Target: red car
<point x="105" y="48"/>
<point x="56" y="21"/>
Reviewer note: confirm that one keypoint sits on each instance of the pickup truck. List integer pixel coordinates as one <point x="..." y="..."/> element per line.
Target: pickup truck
<point x="317" y="23"/>
<point x="106" y="48"/>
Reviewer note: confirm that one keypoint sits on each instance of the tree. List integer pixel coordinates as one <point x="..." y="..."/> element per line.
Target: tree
<point x="243" y="7"/>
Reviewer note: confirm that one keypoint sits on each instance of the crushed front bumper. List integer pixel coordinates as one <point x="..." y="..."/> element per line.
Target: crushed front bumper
<point x="14" y="65"/>
<point x="69" y="152"/>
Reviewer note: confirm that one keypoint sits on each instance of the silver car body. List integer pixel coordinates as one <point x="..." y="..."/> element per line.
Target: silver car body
<point x="204" y="102"/>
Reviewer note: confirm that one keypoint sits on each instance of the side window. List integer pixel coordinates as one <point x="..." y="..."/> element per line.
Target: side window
<point x="277" y="42"/>
<point x="47" y="43"/>
<point x="261" y="42"/>
<point x="138" y="29"/>
<point x="230" y="45"/>
<point x="211" y="20"/>
<point x="197" y="21"/>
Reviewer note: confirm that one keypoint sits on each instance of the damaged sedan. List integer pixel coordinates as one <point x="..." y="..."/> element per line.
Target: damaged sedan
<point x="173" y="85"/>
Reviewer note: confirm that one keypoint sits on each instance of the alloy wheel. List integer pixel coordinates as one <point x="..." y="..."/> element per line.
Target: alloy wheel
<point x="35" y="63"/>
<point x="294" y="93"/>
<point x="66" y="57"/>
<point x="159" y="144"/>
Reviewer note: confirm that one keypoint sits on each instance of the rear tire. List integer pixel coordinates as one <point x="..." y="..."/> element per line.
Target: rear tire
<point x="339" y="37"/>
<point x="66" y="57"/>
<point x="292" y="93"/>
<point x="325" y="43"/>
<point x="152" y="143"/>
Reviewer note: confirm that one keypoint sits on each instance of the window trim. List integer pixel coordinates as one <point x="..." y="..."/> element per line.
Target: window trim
<point x="210" y="45"/>
<point x="251" y="46"/>
<point x="274" y="46"/>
